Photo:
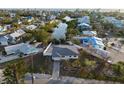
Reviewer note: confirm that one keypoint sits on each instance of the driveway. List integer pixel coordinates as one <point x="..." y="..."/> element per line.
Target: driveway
<point x="56" y="70"/>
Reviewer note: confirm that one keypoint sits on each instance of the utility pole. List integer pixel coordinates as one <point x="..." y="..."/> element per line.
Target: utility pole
<point x="32" y="69"/>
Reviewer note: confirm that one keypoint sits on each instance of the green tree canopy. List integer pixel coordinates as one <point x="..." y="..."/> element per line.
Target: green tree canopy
<point x="14" y="72"/>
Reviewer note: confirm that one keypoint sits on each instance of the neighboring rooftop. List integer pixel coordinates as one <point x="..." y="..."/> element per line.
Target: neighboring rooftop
<point x="17" y="33"/>
<point x="67" y="18"/>
<point x="89" y="33"/>
<point x="22" y="47"/>
<point x="84" y="19"/>
<point x="114" y="21"/>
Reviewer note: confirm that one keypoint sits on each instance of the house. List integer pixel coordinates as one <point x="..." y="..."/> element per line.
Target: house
<point x="52" y="17"/>
<point x="114" y="21"/>
<point x="12" y="14"/>
<point x="84" y="19"/>
<point x="31" y="27"/>
<point x="8" y="26"/>
<point x="93" y="42"/>
<point x="61" y="52"/>
<point x="30" y="18"/>
<point x="20" y="48"/>
<point x="3" y="41"/>
<point x="17" y="34"/>
<point x="89" y="33"/>
<point x="84" y="26"/>
<point x="67" y="18"/>
<point x="19" y="22"/>
<point x="84" y="23"/>
<point x="3" y="28"/>
<point x="64" y="52"/>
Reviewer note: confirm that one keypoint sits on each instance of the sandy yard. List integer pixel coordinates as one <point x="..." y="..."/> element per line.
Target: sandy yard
<point x="1" y="78"/>
<point x="116" y="56"/>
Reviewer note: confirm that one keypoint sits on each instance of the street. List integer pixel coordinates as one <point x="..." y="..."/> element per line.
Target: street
<point x="46" y="79"/>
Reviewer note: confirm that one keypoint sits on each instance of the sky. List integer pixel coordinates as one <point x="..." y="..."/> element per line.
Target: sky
<point x="62" y="4"/>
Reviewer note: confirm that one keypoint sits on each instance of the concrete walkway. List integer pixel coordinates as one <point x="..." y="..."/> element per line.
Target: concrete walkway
<point x="56" y="70"/>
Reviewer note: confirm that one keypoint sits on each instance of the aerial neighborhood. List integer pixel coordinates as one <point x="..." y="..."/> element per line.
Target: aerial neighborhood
<point x="61" y="46"/>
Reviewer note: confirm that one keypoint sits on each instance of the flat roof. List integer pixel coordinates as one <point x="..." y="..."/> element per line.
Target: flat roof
<point x="64" y="50"/>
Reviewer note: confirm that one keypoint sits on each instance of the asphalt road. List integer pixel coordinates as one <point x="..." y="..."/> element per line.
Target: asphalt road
<point x="46" y="79"/>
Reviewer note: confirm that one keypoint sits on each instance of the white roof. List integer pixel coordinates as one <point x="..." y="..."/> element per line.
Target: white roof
<point x="89" y="32"/>
<point x="84" y="24"/>
<point x="98" y="38"/>
<point x="17" y="33"/>
<point x="67" y="18"/>
<point x="31" y="27"/>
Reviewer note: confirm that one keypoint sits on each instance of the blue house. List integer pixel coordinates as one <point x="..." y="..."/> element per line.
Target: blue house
<point x="84" y="26"/>
<point x="29" y="17"/>
<point x="84" y="23"/>
<point x="115" y="22"/>
<point x="89" y="33"/>
<point x="3" y="41"/>
<point x="84" y="19"/>
<point x="95" y="42"/>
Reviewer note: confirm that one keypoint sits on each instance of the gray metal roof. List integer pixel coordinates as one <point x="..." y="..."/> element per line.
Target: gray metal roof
<point x="3" y="40"/>
<point x="59" y="51"/>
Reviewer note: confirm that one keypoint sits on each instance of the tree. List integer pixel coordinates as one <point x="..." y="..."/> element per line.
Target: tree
<point x="41" y="36"/>
<point x="16" y="25"/>
<point x="49" y="26"/>
<point x="27" y="37"/>
<point x="89" y="64"/>
<point x="14" y="72"/>
<point x="71" y="32"/>
<point x="76" y="63"/>
<point x="75" y="41"/>
<point x="72" y="24"/>
<point x="118" y="68"/>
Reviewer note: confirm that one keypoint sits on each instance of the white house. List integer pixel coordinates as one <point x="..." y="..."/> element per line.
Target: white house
<point x="31" y="27"/>
<point x="12" y="14"/>
<point x="84" y="26"/>
<point x="3" y="28"/>
<point x="17" y="33"/>
<point x="67" y="18"/>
